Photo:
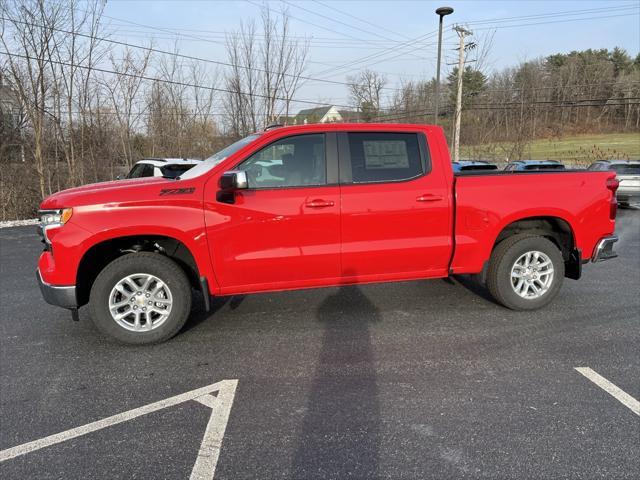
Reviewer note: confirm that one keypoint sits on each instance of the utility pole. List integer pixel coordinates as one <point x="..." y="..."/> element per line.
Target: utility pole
<point x="462" y="32"/>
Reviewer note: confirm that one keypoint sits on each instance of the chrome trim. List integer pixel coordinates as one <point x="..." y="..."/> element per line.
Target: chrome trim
<point x="240" y="179"/>
<point x="604" y="249"/>
<point x="61" y="296"/>
<point x="43" y="227"/>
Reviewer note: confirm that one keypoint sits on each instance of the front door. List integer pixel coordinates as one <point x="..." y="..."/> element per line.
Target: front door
<point x="284" y="230"/>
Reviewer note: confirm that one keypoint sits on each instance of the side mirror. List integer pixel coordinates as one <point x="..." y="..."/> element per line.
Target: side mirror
<point x="234" y="180"/>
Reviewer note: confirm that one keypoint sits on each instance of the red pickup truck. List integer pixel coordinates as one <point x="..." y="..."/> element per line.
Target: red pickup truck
<point x="313" y="206"/>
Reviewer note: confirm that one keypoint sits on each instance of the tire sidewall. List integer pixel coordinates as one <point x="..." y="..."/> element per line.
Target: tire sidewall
<point x="149" y="263"/>
<point x="509" y="296"/>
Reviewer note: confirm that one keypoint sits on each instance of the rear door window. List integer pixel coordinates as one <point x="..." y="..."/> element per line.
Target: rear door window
<point x="384" y="157"/>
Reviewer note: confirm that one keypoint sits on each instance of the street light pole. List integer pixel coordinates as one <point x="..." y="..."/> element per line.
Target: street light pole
<point x="441" y="12"/>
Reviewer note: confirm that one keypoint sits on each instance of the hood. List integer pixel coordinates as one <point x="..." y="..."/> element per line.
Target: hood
<point x="105" y="192"/>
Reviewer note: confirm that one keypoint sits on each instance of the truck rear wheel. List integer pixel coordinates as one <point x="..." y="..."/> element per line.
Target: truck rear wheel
<point x="140" y="298"/>
<point x="525" y="272"/>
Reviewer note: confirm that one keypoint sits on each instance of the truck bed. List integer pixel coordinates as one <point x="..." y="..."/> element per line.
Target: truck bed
<point x="487" y="202"/>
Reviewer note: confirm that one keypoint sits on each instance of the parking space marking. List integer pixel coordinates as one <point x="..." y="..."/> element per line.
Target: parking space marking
<point x="209" y="452"/>
<point x="207" y="459"/>
<point x="207" y="400"/>
<point x="616" y="392"/>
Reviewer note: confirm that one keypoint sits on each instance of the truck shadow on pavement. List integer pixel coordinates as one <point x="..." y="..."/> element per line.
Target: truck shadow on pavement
<point x="473" y="286"/>
<point x="199" y="314"/>
<point x="340" y="434"/>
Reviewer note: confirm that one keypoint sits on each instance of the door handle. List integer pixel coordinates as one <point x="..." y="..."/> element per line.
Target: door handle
<point x="319" y="204"/>
<point x="429" y="198"/>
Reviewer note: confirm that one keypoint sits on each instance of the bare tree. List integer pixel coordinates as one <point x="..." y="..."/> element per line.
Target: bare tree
<point x="180" y="114"/>
<point x="32" y="26"/>
<point x="124" y="90"/>
<point x="265" y="75"/>
<point x="366" y="93"/>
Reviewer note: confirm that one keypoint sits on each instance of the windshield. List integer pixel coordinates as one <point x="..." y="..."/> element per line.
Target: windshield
<point x="218" y="157"/>
<point x="544" y="166"/>
<point x="626" y="169"/>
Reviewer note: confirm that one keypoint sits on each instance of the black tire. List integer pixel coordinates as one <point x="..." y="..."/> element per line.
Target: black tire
<point x="504" y="257"/>
<point x="147" y="263"/>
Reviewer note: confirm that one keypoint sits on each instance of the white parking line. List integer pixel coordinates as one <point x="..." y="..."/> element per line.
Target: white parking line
<point x="207" y="459"/>
<point x="205" y="465"/>
<point x="619" y="394"/>
<point x="207" y="400"/>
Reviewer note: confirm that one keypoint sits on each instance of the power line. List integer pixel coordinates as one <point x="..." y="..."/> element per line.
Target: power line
<point x="307" y="22"/>
<point x="171" y="32"/>
<point x="428" y="112"/>
<point x="179" y="55"/>
<point x="554" y="14"/>
<point x="388" y="58"/>
<point x="373" y="45"/>
<point x="372" y="56"/>
<point x="359" y="60"/>
<point x="553" y="21"/>
<point x="381" y="27"/>
<point x="173" y="82"/>
<point x="375" y="34"/>
<point x="550" y="15"/>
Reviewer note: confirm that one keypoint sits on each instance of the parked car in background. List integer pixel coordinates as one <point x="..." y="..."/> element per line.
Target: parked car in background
<point x="162" y="167"/>
<point x="468" y="165"/>
<point x="526" y="165"/>
<point x="628" y="173"/>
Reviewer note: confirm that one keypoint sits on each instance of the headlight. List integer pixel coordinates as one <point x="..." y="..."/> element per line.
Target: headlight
<point x="55" y="218"/>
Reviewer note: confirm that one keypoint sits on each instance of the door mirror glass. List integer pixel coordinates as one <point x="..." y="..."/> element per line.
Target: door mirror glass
<point x="233" y="180"/>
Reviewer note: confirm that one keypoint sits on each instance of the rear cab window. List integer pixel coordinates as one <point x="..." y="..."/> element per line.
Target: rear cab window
<point x="141" y="170"/>
<point x="174" y="170"/>
<point x="371" y="157"/>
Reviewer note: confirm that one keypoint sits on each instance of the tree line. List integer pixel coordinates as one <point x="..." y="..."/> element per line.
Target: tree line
<point x="503" y="111"/>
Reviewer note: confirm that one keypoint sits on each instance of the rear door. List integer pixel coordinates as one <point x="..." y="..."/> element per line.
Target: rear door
<point x="283" y="231"/>
<point x="395" y="209"/>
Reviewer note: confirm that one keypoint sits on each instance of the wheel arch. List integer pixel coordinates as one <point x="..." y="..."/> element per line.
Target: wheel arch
<point x="555" y="228"/>
<point x="103" y="252"/>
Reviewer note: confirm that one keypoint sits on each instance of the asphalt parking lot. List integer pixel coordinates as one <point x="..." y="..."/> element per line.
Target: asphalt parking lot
<point x="412" y="380"/>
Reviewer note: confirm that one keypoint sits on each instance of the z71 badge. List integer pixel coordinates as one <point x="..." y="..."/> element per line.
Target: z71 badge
<point x="177" y="191"/>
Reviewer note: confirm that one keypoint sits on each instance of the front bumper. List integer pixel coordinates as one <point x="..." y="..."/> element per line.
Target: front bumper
<point x="604" y="249"/>
<point x="58" y="295"/>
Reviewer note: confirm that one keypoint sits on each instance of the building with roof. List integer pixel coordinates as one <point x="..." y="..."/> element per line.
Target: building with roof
<point x="326" y="114"/>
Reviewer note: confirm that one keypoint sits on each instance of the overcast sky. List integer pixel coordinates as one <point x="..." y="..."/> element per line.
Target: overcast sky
<point x="347" y="35"/>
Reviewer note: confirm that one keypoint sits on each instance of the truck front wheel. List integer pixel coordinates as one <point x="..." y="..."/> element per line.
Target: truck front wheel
<point x="140" y="298"/>
<point x="525" y="272"/>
